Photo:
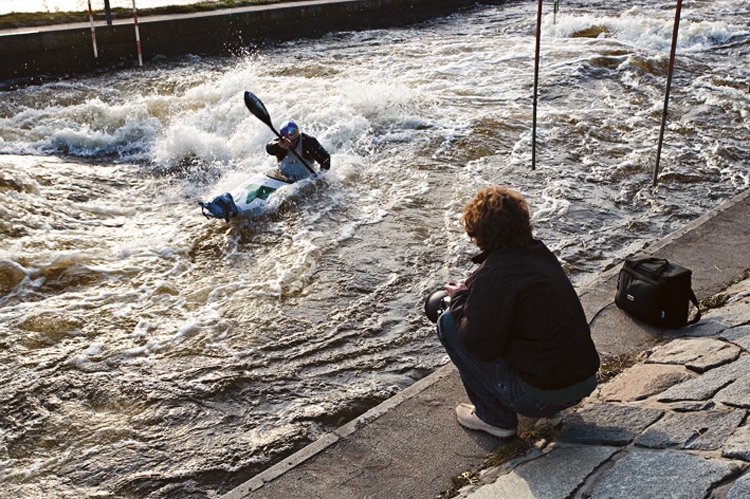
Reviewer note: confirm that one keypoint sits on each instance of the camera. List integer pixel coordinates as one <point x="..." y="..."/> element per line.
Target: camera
<point x="436" y="303"/>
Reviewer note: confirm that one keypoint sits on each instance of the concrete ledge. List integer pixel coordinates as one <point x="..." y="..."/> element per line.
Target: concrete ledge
<point x="411" y="446"/>
<point x="36" y="53"/>
<point x="329" y="439"/>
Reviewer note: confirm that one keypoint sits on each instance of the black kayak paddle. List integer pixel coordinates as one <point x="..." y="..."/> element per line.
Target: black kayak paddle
<point x="256" y="107"/>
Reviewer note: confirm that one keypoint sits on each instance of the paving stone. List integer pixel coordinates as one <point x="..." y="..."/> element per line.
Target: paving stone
<point x="698" y="354"/>
<point x="715" y="321"/>
<point x="737" y="394"/>
<point x="689" y="406"/>
<point x="643" y="380"/>
<point x="709" y="325"/>
<point x="739" y="290"/>
<point x="739" y="335"/>
<point x="708" y="384"/>
<point x="693" y="430"/>
<point x="734" y="312"/>
<point x="663" y="474"/>
<point x="556" y="474"/>
<point x="607" y="424"/>
<point x="740" y="489"/>
<point x="738" y="445"/>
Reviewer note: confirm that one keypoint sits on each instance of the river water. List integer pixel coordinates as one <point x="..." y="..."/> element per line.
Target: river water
<point x="149" y="352"/>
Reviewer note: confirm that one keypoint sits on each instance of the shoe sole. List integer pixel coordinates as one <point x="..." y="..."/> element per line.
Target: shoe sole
<point x="498" y="432"/>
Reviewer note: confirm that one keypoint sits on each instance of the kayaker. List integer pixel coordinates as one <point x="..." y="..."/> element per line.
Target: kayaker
<point x="515" y="329"/>
<point x="305" y="145"/>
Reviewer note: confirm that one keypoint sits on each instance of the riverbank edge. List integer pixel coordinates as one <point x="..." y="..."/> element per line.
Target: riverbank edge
<point x="711" y="246"/>
<point x="42" y="53"/>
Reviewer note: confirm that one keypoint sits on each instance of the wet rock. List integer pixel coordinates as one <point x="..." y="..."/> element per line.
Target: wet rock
<point x="694" y="430"/>
<point x="557" y="474"/>
<point x="11" y="275"/>
<point x="698" y="354"/>
<point x="642" y="381"/>
<point x="738" y="445"/>
<point x="607" y="424"/>
<point x="708" y="384"/>
<point x="646" y="473"/>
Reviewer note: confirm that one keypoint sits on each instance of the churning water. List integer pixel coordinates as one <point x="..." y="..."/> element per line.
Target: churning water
<point x="149" y="352"/>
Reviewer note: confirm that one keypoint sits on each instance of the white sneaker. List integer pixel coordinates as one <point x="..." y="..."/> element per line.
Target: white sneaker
<point x="468" y="419"/>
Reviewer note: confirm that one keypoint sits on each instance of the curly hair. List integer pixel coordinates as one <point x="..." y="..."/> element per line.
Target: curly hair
<point x="498" y="217"/>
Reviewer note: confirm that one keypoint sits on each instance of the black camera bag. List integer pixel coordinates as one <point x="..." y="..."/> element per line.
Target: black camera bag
<point x="656" y="291"/>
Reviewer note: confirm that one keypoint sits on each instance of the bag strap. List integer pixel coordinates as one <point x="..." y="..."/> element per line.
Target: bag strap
<point x="636" y="261"/>
<point x="697" y="307"/>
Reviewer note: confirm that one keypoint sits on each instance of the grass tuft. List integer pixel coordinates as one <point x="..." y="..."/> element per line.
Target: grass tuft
<point x="612" y="365"/>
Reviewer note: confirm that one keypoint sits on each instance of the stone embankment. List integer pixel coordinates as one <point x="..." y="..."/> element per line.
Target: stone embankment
<point x="672" y="425"/>
<point x="34" y="54"/>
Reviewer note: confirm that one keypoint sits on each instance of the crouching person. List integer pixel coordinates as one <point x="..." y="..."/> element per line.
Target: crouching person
<point x="515" y="328"/>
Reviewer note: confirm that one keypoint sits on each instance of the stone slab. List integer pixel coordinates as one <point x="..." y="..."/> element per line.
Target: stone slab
<point x="556" y="474"/>
<point x="736" y="312"/>
<point x="741" y="488"/>
<point x="698" y="354"/>
<point x="643" y="380"/>
<point x="692" y="405"/>
<point x="738" y="445"/>
<point x="717" y="320"/>
<point x="708" y="384"/>
<point x="662" y="474"/>
<point x="706" y="430"/>
<point x="607" y="424"/>
<point x="737" y="394"/>
<point x="739" y="335"/>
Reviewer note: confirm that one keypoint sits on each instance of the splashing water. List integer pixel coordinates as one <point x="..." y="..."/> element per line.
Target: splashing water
<point x="152" y="353"/>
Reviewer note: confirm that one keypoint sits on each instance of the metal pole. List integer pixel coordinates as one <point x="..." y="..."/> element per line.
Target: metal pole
<point x="554" y="12"/>
<point x="137" y="35"/>
<point x="93" y="32"/>
<point x="536" y="84"/>
<point x="108" y="12"/>
<point x="669" y="85"/>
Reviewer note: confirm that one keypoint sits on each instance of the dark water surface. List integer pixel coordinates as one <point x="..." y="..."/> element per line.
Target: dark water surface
<point x="148" y="352"/>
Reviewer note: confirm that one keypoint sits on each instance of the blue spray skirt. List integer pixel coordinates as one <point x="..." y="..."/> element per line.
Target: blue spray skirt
<point x="250" y="196"/>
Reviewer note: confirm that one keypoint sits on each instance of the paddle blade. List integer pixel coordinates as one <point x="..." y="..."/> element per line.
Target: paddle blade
<point x="256" y="107"/>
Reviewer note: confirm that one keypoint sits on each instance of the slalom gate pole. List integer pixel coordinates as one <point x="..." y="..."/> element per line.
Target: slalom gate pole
<point x="536" y="84"/>
<point x="93" y="32"/>
<point x="556" y="7"/>
<point x="137" y="35"/>
<point x="669" y="85"/>
<point x="107" y="12"/>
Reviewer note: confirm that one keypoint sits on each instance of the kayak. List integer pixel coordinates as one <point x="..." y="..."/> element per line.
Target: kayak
<point x="251" y="196"/>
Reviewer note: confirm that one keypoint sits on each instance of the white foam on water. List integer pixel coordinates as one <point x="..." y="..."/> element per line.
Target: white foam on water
<point x="646" y="29"/>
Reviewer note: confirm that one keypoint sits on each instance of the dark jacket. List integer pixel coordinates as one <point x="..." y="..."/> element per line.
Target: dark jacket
<point x="311" y="151"/>
<point x="521" y="306"/>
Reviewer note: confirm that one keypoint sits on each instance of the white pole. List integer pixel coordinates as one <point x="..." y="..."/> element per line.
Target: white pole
<point x="137" y="35"/>
<point x="93" y="33"/>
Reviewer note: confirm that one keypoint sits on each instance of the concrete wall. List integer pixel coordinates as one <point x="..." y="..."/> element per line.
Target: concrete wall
<point x="35" y="55"/>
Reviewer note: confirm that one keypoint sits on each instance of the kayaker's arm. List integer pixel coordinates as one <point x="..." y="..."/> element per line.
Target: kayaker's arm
<point x="274" y="148"/>
<point x="313" y="149"/>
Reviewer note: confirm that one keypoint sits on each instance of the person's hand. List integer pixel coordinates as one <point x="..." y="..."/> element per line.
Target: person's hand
<point x="285" y="143"/>
<point x="454" y="287"/>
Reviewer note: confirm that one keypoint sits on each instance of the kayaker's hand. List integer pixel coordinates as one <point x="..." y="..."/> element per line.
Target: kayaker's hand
<point x="285" y="143"/>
